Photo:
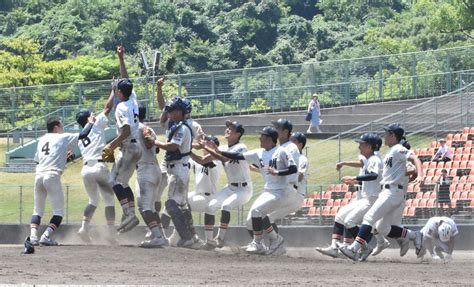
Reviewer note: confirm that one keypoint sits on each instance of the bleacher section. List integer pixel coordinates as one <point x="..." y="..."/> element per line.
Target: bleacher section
<point x="421" y="199"/>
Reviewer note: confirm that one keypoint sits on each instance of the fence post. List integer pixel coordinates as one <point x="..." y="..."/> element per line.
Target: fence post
<point x="147" y="94"/>
<point x="313" y="79"/>
<point x="13" y="99"/>
<point x="67" y="204"/>
<point x="21" y="204"/>
<point x="436" y="117"/>
<point x="213" y="93"/>
<point x="179" y="85"/>
<point x="320" y="202"/>
<point x="246" y="89"/>
<point x="347" y="80"/>
<point x="437" y="199"/>
<point x="280" y="89"/>
<point x="448" y="69"/>
<point x="339" y="151"/>
<point x="46" y="99"/>
<point x="79" y="96"/>
<point x="414" y="77"/>
<point x="380" y="80"/>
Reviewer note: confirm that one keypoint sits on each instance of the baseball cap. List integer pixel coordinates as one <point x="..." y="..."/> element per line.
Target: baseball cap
<point x="236" y="125"/>
<point x="300" y="137"/>
<point x="369" y="138"/>
<point x="269" y="131"/>
<point x="283" y="123"/>
<point x="396" y="129"/>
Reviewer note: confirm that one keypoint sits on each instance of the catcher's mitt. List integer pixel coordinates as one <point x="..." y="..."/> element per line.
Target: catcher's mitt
<point x="108" y="154"/>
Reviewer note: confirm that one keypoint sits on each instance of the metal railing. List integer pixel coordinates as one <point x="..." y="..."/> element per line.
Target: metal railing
<point x="386" y="77"/>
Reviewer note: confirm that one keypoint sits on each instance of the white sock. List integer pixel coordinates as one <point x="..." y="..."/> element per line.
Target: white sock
<point x="49" y="231"/>
<point x="34" y="233"/>
<point x="356" y="246"/>
<point x="209" y="234"/>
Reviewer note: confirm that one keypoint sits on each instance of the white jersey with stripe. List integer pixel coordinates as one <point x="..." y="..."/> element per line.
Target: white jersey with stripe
<point x="430" y="229"/>
<point x="303" y="168"/>
<point x="395" y="162"/>
<point x="92" y="145"/>
<point x="372" y="165"/>
<point x="51" y="152"/>
<point x="295" y="153"/>
<point x="148" y="154"/>
<point x="278" y="158"/>
<point x="237" y="171"/>
<point x="207" y="176"/>
<point x="126" y="113"/>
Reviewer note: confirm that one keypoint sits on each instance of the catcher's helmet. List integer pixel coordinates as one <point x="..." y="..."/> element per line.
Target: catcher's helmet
<point x="82" y="116"/>
<point x="29" y="248"/>
<point x="444" y="232"/>
<point x="189" y="106"/>
<point x="126" y="86"/>
<point x="176" y="103"/>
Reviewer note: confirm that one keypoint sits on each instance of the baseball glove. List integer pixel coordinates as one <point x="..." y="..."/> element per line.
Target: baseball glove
<point x="108" y="154"/>
<point x="70" y="156"/>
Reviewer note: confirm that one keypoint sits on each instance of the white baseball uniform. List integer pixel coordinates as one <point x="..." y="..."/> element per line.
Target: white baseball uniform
<point x="95" y="173"/>
<point x="273" y="196"/>
<point x="430" y="231"/>
<point x="238" y="190"/>
<point x="51" y="154"/>
<point x="148" y="172"/>
<point x="207" y="179"/>
<point x="393" y="180"/>
<point x="126" y="113"/>
<point x="352" y="214"/>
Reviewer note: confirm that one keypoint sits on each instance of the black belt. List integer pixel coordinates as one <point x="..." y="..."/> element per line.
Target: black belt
<point x="171" y="165"/>
<point x="387" y="186"/>
<point x="207" y="194"/>
<point x="133" y="140"/>
<point x="295" y="186"/>
<point x="237" y="184"/>
<point x="99" y="160"/>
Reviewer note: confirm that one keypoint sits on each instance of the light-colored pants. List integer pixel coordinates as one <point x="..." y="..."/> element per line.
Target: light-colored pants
<point x="199" y="201"/>
<point x="48" y="183"/>
<point x="148" y="180"/>
<point x="384" y="225"/>
<point x="231" y="197"/>
<point x="178" y="182"/>
<point x="386" y="205"/>
<point x="267" y="202"/>
<point x="353" y="213"/>
<point x="95" y="176"/>
<point x="125" y="163"/>
<point x="292" y="203"/>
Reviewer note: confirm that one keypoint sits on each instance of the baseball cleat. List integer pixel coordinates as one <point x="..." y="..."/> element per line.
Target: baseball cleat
<point x="29" y="248"/>
<point x="47" y="241"/>
<point x="404" y="246"/>
<point x="280" y="251"/>
<point x="185" y="243"/>
<point x="197" y="242"/>
<point x="84" y="235"/>
<point x="208" y="245"/>
<point x="366" y="253"/>
<point x="329" y="251"/>
<point x="418" y="242"/>
<point x="148" y="235"/>
<point x="128" y="224"/>
<point x="34" y="240"/>
<point x="154" y="243"/>
<point x="380" y="247"/>
<point x="275" y="244"/>
<point x="219" y="242"/>
<point x="256" y="247"/>
<point x="350" y="253"/>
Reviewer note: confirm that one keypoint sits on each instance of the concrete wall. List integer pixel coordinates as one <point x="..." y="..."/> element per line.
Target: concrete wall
<point x="295" y="236"/>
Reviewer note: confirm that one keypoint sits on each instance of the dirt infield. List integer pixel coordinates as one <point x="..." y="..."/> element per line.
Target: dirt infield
<point x="133" y="265"/>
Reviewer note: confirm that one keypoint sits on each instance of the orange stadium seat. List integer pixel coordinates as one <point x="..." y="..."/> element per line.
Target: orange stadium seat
<point x="434" y="144"/>
<point x="449" y="143"/>
<point x="455" y="164"/>
<point x="435" y="179"/>
<point x="433" y="195"/>
<point x="330" y="187"/>
<point x="457" y="137"/>
<point x="415" y="202"/>
<point x="464" y="137"/>
<point x="437" y="172"/>
<point x="411" y="212"/>
<point x="465" y="130"/>
<point x="433" y="164"/>
<point x="471" y="130"/>
<point x="440" y="165"/>
<point x="468" y="144"/>
<point x="405" y="211"/>
<point x="347" y="195"/>
<point x="338" y="188"/>
<point x="354" y="195"/>
<point x="422" y="203"/>
<point x="472" y="204"/>
<point x="426" y="195"/>
<point x="419" y="195"/>
<point x="411" y="187"/>
<point x="464" y="195"/>
<point x="337" y="202"/>
<point x="345" y="188"/>
<point x="455" y="195"/>
<point x="431" y="203"/>
<point x="314" y="211"/>
<point x="408" y="202"/>
<point x="430" y="172"/>
<point x="345" y="201"/>
<point x="417" y="188"/>
<point x="449" y="137"/>
<point x="455" y="180"/>
<point x="463" y="164"/>
<point x="470" y="164"/>
<point x="454" y="203"/>
<point x="458" y="150"/>
<point x="327" y="195"/>
<point x="460" y="187"/>
<point x="470" y="179"/>
<point x="457" y="157"/>
<point x="448" y="165"/>
<point x="465" y="157"/>
<point x="330" y="202"/>
<point x="471" y="172"/>
<point x="334" y="210"/>
<point x="453" y="172"/>
<point x="326" y="211"/>
<point x="430" y="151"/>
<point x="425" y="165"/>
<point x="463" y="179"/>
<point x="452" y="187"/>
<point x="466" y="150"/>
<point x="471" y="195"/>
<point x="315" y="195"/>
<point x="467" y="187"/>
<point x="428" y="179"/>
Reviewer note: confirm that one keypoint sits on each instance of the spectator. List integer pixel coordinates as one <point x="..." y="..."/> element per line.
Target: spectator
<point x="443" y="190"/>
<point x="444" y="153"/>
<point x="315" y="111"/>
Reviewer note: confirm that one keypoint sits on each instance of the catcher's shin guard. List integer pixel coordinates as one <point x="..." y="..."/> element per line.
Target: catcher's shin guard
<point x="178" y="218"/>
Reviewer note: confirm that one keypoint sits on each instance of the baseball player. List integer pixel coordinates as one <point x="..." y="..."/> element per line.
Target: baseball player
<point x="438" y="238"/>
<point x="391" y="196"/>
<point x="178" y="148"/>
<point x="51" y="155"/>
<point x="197" y="134"/>
<point x="238" y="190"/>
<point x="275" y="164"/>
<point x="148" y="179"/>
<point x="207" y="175"/>
<point x="126" y="115"/>
<point x="351" y="215"/>
<point x="95" y="173"/>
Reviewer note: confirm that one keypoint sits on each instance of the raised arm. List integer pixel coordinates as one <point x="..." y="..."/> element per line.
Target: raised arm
<point x="202" y="160"/>
<point x="120" y="54"/>
<point x="357" y="164"/>
<point x="110" y="102"/>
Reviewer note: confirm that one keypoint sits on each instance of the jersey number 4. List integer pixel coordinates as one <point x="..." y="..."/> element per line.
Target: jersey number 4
<point x="45" y="148"/>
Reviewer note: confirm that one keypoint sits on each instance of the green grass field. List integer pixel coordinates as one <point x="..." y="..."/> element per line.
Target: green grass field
<point x="16" y="189"/>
